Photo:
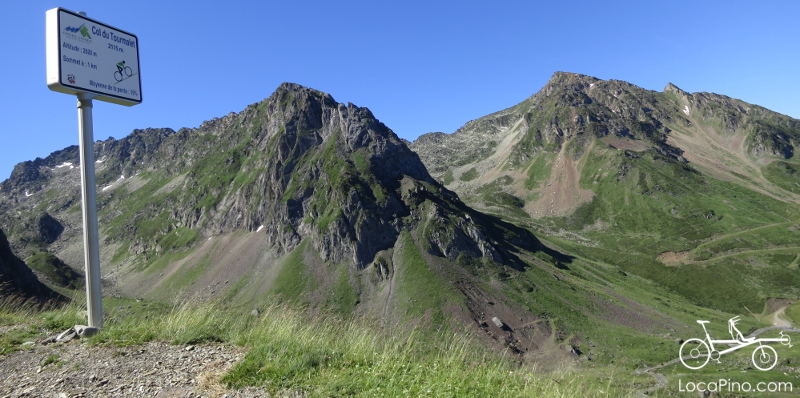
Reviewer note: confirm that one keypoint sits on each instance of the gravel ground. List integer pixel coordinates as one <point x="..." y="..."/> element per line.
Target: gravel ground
<point x="154" y="369"/>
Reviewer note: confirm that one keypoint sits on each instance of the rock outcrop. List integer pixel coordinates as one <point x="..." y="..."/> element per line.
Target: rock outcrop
<point x="296" y="165"/>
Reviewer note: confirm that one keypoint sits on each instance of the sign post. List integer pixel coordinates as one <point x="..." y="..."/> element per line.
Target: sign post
<point x="91" y="60"/>
<point x="91" y="238"/>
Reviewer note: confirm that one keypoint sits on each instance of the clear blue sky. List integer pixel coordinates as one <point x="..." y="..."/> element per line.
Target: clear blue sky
<point x="420" y="66"/>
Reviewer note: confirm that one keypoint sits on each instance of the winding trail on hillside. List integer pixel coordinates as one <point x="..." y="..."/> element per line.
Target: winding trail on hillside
<point x="776" y="320"/>
<point x="661" y="381"/>
<point x="745" y="252"/>
<point x="744" y="232"/>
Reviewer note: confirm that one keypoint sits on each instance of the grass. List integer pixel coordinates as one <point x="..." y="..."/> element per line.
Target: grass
<point x="55" y="269"/>
<point x="447" y="178"/>
<point x="421" y="294"/>
<point x="793" y="312"/>
<point x="344" y="297"/>
<point x="469" y="175"/>
<point x="179" y="238"/>
<point x="538" y="171"/>
<point x="26" y="322"/>
<point x="740" y="243"/>
<point x="293" y="280"/>
<point x="324" y="356"/>
<point x="341" y="358"/>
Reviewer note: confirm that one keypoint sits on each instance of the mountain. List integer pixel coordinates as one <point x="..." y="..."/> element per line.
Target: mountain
<point x="18" y="281"/>
<point x="578" y="225"/>
<point x="297" y="165"/>
<point x="297" y="196"/>
<point x="683" y="189"/>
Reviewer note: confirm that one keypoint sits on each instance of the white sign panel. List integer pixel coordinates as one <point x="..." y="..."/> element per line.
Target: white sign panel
<point x="84" y="55"/>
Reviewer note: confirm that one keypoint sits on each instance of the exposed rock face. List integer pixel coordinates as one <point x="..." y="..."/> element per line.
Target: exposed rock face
<point x="295" y="165"/>
<point x="574" y="114"/>
<point x="49" y="228"/>
<point x="17" y="279"/>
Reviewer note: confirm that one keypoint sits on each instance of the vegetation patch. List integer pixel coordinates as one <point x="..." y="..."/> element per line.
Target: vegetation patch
<point x="56" y="270"/>
<point x="293" y="280"/>
<point x="538" y="171"/>
<point x="421" y="293"/>
<point x="179" y="238"/>
<point x="344" y="296"/>
<point x="447" y="178"/>
<point x="469" y="175"/>
<point x="783" y="174"/>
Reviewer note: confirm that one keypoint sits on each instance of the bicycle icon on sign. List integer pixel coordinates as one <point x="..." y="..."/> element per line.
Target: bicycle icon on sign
<point x="123" y="72"/>
<point x="701" y="351"/>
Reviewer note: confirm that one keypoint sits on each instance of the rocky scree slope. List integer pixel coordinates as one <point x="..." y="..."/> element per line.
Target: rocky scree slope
<point x="574" y="114"/>
<point x="698" y="192"/>
<point x="296" y="165"/>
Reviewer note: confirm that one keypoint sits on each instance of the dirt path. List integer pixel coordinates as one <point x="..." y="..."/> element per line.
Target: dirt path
<point x="776" y="320"/>
<point x="676" y="258"/>
<point x="743" y="232"/>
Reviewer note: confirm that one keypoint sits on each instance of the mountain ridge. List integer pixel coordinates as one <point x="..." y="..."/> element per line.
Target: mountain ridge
<point x="577" y="109"/>
<point x="629" y="176"/>
<point x="550" y="216"/>
<point x="296" y="196"/>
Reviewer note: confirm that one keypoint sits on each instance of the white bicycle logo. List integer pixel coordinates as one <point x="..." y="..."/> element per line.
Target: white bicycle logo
<point x="697" y="352"/>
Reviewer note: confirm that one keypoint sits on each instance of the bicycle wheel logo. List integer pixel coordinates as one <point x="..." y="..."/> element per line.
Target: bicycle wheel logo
<point x="123" y="72"/>
<point x="696" y="353"/>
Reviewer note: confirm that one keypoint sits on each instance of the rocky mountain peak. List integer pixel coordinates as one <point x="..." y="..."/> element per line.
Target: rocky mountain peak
<point x="671" y="88"/>
<point x="297" y="166"/>
<point x="566" y="79"/>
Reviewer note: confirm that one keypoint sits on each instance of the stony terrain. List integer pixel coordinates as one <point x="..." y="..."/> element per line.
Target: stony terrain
<point x="154" y="369"/>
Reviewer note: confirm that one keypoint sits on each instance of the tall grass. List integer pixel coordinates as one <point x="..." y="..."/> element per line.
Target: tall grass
<point x="25" y="319"/>
<point x="326" y="356"/>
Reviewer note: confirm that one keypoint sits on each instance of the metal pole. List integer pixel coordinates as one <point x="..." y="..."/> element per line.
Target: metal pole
<point x="91" y="240"/>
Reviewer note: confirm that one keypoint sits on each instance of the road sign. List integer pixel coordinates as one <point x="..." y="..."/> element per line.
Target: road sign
<point x="84" y="55"/>
<point x="91" y="60"/>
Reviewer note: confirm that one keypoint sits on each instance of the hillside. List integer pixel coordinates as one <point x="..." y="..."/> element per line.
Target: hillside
<point x="18" y="282"/>
<point x="687" y="190"/>
<point x="296" y="196"/>
<point x="559" y="231"/>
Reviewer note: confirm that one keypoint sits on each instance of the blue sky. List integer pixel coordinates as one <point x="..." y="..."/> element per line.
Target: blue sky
<point x="419" y="66"/>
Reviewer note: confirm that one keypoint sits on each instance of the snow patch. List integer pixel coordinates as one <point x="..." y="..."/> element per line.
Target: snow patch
<point x="122" y="177"/>
<point x="27" y="195"/>
<point x="591" y="85"/>
<point x="260" y="228"/>
<point x="686" y="110"/>
<point x="65" y="164"/>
